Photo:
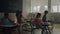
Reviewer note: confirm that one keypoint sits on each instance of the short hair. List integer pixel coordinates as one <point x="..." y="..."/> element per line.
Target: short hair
<point x="46" y="11"/>
<point x="6" y="14"/>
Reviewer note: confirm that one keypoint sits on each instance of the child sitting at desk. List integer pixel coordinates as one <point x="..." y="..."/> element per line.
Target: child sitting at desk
<point x="36" y="21"/>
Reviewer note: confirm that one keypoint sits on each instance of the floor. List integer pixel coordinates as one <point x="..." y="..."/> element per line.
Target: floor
<point x="56" y="30"/>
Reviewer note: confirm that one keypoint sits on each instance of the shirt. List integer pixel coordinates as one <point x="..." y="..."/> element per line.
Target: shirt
<point x="44" y="18"/>
<point x="5" y="21"/>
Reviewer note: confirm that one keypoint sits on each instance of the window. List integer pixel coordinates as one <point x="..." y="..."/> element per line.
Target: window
<point x="36" y="9"/>
<point x="45" y="7"/>
<point x="54" y="9"/>
<point x="59" y="8"/>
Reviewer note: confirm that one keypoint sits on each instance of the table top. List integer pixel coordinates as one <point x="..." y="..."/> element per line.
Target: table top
<point x="9" y="25"/>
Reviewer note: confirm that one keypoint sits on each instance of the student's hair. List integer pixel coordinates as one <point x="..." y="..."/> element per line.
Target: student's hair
<point x="6" y="14"/>
<point x="38" y="14"/>
<point x="18" y="13"/>
<point x="46" y="12"/>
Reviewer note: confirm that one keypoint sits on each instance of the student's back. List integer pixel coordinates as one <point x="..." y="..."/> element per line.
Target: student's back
<point x="6" y="21"/>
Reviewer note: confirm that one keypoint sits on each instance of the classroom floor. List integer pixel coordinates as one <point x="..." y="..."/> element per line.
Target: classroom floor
<point x="56" y="30"/>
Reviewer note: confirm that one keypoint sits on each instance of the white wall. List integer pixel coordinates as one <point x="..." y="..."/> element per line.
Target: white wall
<point x="55" y="2"/>
<point x="26" y="7"/>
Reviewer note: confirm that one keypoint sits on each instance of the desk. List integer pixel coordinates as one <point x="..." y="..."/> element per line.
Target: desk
<point x="10" y="28"/>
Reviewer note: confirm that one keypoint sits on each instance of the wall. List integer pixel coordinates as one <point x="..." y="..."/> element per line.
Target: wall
<point x="56" y="15"/>
<point x="26" y="7"/>
<point x="32" y="3"/>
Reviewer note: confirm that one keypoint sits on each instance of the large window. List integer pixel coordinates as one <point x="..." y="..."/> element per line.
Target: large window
<point x="55" y="6"/>
<point x="45" y="7"/>
<point x="55" y="9"/>
<point x="36" y="9"/>
<point x="59" y="8"/>
<point x="39" y="6"/>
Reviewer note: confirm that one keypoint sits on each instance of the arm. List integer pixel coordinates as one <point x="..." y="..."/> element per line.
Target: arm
<point x="23" y="21"/>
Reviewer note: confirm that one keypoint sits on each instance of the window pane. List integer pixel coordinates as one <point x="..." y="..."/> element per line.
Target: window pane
<point x="45" y="7"/>
<point x="36" y="9"/>
<point x="59" y="8"/>
<point x="54" y="8"/>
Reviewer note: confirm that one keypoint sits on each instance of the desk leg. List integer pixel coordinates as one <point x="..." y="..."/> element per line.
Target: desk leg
<point x="18" y="29"/>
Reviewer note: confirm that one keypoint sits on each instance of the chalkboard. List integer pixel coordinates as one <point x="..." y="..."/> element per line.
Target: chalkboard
<point x="10" y="6"/>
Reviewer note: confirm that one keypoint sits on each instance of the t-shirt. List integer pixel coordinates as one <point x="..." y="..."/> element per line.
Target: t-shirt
<point x="36" y="21"/>
<point x="6" y="21"/>
<point x="44" y="18"/>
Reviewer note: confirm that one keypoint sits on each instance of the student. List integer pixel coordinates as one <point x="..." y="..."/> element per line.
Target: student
<point x="19" y="20"/>
<point x="6" y="21"/>
<point x="44" y="16"/>
<point x="19" y="17"/>
<point x="37" y="20"/>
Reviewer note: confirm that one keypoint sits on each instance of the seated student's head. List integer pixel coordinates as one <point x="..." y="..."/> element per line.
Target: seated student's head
<point x="6" y="15"/>
<point x="38" y="15"/>
<point x="46" y="12"/>
<point x="18" y="13"/>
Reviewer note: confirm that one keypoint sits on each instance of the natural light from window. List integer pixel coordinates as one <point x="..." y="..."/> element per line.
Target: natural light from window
<point x="36" y="9"/>
<point x="45" y="7"/>
<point x="54" y="9"/>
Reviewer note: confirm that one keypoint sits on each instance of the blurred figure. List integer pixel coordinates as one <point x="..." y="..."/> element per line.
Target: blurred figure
<point x="19" y="17"/>
<point x="44" y="16"/>
<point x="20" y="20"/>
<point x="37" y="20"/>
<point x="6" y="21"/>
